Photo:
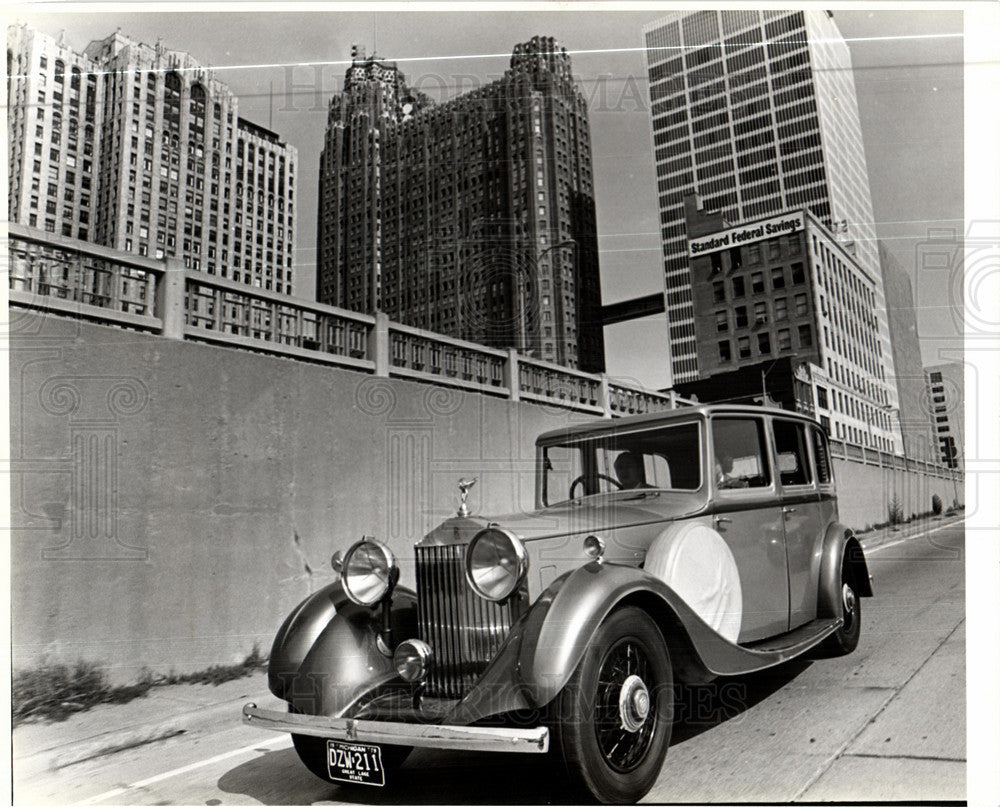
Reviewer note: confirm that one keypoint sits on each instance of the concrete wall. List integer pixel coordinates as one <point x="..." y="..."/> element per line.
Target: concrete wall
<point x="864" y="492"/>
<point x="171" y="501"/>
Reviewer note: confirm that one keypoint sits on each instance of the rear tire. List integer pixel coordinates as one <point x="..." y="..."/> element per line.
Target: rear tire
<point x="845" y="639"/>
<point x="616" y="713"/>
<point x="312" y="752"/>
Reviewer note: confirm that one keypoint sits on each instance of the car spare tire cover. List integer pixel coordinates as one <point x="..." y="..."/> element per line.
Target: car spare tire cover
<point x="695" y="561"/>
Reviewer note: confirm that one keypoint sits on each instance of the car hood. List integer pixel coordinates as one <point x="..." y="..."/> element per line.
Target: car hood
<point x="591" y="514"/>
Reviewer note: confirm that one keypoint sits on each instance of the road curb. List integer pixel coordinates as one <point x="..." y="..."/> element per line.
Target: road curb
<point x="870" y="543"/>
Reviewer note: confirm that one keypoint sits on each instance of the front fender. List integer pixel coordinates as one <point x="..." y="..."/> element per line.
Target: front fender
<point x="582" y="602"/>
<point x="840" y="546"/>
<point x="326" y="655"/>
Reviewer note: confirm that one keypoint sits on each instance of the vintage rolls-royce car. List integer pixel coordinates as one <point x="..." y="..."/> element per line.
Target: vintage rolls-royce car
<point x="678" y="546"/>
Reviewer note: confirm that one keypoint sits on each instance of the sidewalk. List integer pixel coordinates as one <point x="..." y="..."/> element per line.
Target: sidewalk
<point x="886" y="535"/>
<point x="171" y="710"/>
<point x="105" y="729"/>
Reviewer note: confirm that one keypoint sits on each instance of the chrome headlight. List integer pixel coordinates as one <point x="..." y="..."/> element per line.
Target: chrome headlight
<point x="369" y="572"/>
<point x="495" y="564"/>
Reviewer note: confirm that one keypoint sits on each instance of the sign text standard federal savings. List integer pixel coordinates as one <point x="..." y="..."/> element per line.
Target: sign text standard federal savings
<point x="747" y="234"/>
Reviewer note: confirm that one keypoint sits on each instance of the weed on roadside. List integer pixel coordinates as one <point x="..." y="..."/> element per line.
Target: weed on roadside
<point x="54" y="692"/>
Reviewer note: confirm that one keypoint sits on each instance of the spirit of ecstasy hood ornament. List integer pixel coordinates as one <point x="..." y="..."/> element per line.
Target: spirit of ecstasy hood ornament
<point x="464" y="485"/>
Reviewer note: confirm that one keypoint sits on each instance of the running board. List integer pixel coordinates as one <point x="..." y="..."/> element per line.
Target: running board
<point x="722" y="657"/>
<point x="804" y="633"/>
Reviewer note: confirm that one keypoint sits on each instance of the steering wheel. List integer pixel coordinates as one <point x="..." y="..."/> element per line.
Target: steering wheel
<point x="582" y="478"/>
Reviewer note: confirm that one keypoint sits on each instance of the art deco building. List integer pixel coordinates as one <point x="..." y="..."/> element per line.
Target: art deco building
<point x="473" y="218"/>
<point x="140" y="148"/>
<point x="782" y="287"/>
<point x="756" y="112"/>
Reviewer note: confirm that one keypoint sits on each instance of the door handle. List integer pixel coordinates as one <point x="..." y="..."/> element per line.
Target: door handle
<point x="723" y="520"/>
<point x="787" y="509"/>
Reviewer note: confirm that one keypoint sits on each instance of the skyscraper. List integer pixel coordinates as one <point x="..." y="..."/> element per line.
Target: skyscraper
<point x="911" y="383"/>
<point x="756" y="112"/>
<point x="946" y="403"/>
<point x="474" y="218"/>
<point x="140" y="148"/>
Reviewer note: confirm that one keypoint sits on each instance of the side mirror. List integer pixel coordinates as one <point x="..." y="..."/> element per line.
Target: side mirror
<point x="337" y="561"/>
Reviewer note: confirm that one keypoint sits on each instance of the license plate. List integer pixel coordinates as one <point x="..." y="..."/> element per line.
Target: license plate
<point x="355" y="763"/>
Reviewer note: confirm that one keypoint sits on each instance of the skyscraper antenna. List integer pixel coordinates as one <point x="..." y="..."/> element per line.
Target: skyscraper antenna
<point x="270" y="103"/>
<point x="374" y="35"/>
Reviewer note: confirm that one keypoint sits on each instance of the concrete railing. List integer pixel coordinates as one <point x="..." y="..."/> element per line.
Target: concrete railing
<point x="61" y="275"/>
<point x="65" y="276"/>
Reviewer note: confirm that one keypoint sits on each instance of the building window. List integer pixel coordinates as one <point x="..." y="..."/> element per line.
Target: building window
<point x="777" y="278"/>
<point x="739" y="288"/>
<point x="764" y="342"/>
<point x="721" y="321"/>
<point x="753" y="253"/>
<point x="757" y="282"/>
<point x="801" y="307"/>
<point x="725" y="353"/>
<point x="781" y="308"/>
<point x="744" y="347"/>
<point x="760" y="312"/>
<point x="718" y="291"/>
<point x="798" y="273"/>
<point x="821" y="398"/>
<point x="741" y="316"/>
<point x="805" y="336"/>
<point x="784" y="339"/>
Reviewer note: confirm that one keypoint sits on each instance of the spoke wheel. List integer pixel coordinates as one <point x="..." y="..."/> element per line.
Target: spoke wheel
<point x="621" y="716"/>
<point x="615" y="714"/>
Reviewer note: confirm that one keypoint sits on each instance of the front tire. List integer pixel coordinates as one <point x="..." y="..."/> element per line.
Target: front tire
<point x="845" y="639"/>
<point x="616" y="713"/>
<point x="312" y="752"/>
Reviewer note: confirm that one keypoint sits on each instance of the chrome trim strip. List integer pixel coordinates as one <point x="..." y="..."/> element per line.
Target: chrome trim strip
<point x="461" y="738"/>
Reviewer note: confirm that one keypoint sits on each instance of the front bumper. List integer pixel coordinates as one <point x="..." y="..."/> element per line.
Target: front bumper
<point x="462" y="738"/>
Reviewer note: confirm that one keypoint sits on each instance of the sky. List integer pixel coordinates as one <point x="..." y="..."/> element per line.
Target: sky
<point x="284" y="67"/>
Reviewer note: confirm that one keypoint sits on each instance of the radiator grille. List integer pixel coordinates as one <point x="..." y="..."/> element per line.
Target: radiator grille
<point x="463" y="629"/>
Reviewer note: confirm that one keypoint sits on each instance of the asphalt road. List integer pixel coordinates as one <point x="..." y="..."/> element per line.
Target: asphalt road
<point x="885" y="723"/>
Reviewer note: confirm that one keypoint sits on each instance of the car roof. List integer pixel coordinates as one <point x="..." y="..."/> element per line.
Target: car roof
<point x="682" y="413"/>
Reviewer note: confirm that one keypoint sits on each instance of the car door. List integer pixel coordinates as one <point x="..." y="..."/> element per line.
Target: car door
<point x="801" y="514"/>
<point x="747" y="514"/>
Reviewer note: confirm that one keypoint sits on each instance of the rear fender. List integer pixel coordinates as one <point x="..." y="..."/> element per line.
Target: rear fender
<point x="326" y="653"/>
<point x="840" y="546"/>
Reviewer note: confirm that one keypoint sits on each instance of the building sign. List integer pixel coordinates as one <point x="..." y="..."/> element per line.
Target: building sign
<point x="746" y="234"/>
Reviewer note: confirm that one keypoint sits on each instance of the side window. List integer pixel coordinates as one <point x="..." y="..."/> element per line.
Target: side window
<point x="740" y="456"/>
<point x="822" y="454"/>
<point x="792" y="454"/>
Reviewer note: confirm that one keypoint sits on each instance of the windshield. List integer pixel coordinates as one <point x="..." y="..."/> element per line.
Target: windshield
<point x="667" y="458"/>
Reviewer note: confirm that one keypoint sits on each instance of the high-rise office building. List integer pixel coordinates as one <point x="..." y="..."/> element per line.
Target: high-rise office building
<point x="756" y="112"/>
<point x="911" y="384"/>
<point x="783" y="287"/>
<point x="139" y="148"/>
<point x="946" y="403"/>
<point x="474" y="218"/>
